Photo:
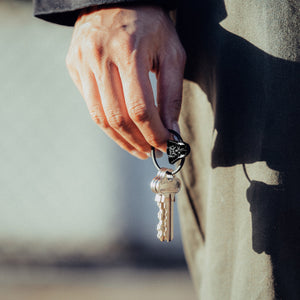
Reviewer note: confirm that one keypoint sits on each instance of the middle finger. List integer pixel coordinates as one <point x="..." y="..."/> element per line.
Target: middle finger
<point x="112" y="96"/>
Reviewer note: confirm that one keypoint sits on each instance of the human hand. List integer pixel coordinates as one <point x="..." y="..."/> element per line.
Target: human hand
<point x="111" y="54"/>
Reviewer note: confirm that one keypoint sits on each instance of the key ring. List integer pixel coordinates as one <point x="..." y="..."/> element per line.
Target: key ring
<point x="176" y="150"/>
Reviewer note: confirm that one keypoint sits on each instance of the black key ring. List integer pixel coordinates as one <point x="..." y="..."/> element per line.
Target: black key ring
<point x="176" y="150"/>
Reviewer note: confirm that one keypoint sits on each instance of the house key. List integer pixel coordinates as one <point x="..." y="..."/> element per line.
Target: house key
<point x="165" y="185"/>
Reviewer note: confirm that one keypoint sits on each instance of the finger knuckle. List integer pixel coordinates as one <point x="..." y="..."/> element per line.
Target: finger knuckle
<point x="182" y="55"/>
<point x="68" y="61"/>
<point x="155" y="141"/>
<point x="73" y="57"/>
<point x="139" y="113"/>
<point x="181" y="51"/>
<point x="101" y="121"/>
<point x="99" y="118"/>
<point x="89" y="44"/>
<point x="178" y="55"/>
<point x="176" y="105"/>
<point x="125" y="39"/>
<point x="116" y="120"/>
<point x="124" y="46"/>
<point x="91" y="51"/>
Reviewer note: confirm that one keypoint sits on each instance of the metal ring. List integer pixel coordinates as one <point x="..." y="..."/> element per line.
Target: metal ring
<point x="181" y="161"/>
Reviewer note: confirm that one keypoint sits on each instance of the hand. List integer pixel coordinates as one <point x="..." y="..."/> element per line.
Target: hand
<point x="111" y="54"/>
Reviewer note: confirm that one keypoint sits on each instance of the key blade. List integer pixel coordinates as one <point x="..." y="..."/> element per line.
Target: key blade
<point x="168" y="218"/>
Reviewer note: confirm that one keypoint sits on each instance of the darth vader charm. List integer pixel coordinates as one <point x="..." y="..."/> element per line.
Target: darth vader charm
<point x="177" y="150"/>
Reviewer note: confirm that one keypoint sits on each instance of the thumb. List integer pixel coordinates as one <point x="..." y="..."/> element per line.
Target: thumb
<point x="169" y="93"/>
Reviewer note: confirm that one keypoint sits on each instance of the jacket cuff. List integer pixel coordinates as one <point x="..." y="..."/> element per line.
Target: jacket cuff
<point x="65" y="12"/>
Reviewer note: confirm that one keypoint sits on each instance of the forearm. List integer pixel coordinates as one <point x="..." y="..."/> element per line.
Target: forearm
<point x="65" y="12"/>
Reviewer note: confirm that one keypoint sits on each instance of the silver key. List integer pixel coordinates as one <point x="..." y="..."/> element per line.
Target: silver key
<point x="165" y="185"/>
<point x="161" y="205"/>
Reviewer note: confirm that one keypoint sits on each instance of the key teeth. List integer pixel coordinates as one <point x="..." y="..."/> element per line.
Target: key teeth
<point x="160" y="236"/>
<point x="165" y="186"/>
<point x="158" y="198"/>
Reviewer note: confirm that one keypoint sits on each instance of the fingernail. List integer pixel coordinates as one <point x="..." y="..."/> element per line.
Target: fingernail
<point x="140" y="155"/>
<point x="175" y="127"/>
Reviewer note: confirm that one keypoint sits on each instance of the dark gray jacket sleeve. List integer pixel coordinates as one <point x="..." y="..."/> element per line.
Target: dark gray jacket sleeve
<point x="65" y="12"/>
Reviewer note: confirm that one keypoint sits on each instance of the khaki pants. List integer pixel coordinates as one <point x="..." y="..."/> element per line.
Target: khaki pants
<point x="240" y="209"/>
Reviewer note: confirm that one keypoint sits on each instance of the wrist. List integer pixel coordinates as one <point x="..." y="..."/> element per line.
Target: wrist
<point x="120" y="6"/>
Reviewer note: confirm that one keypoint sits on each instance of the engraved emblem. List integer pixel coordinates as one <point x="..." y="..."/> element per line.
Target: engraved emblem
<point x="177" y="150"/>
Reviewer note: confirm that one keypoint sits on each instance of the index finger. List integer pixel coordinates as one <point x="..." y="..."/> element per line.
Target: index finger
<point x="140" y="104"/>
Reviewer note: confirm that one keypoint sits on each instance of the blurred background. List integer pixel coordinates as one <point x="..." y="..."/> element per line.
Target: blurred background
<point x="77" y="216"/>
